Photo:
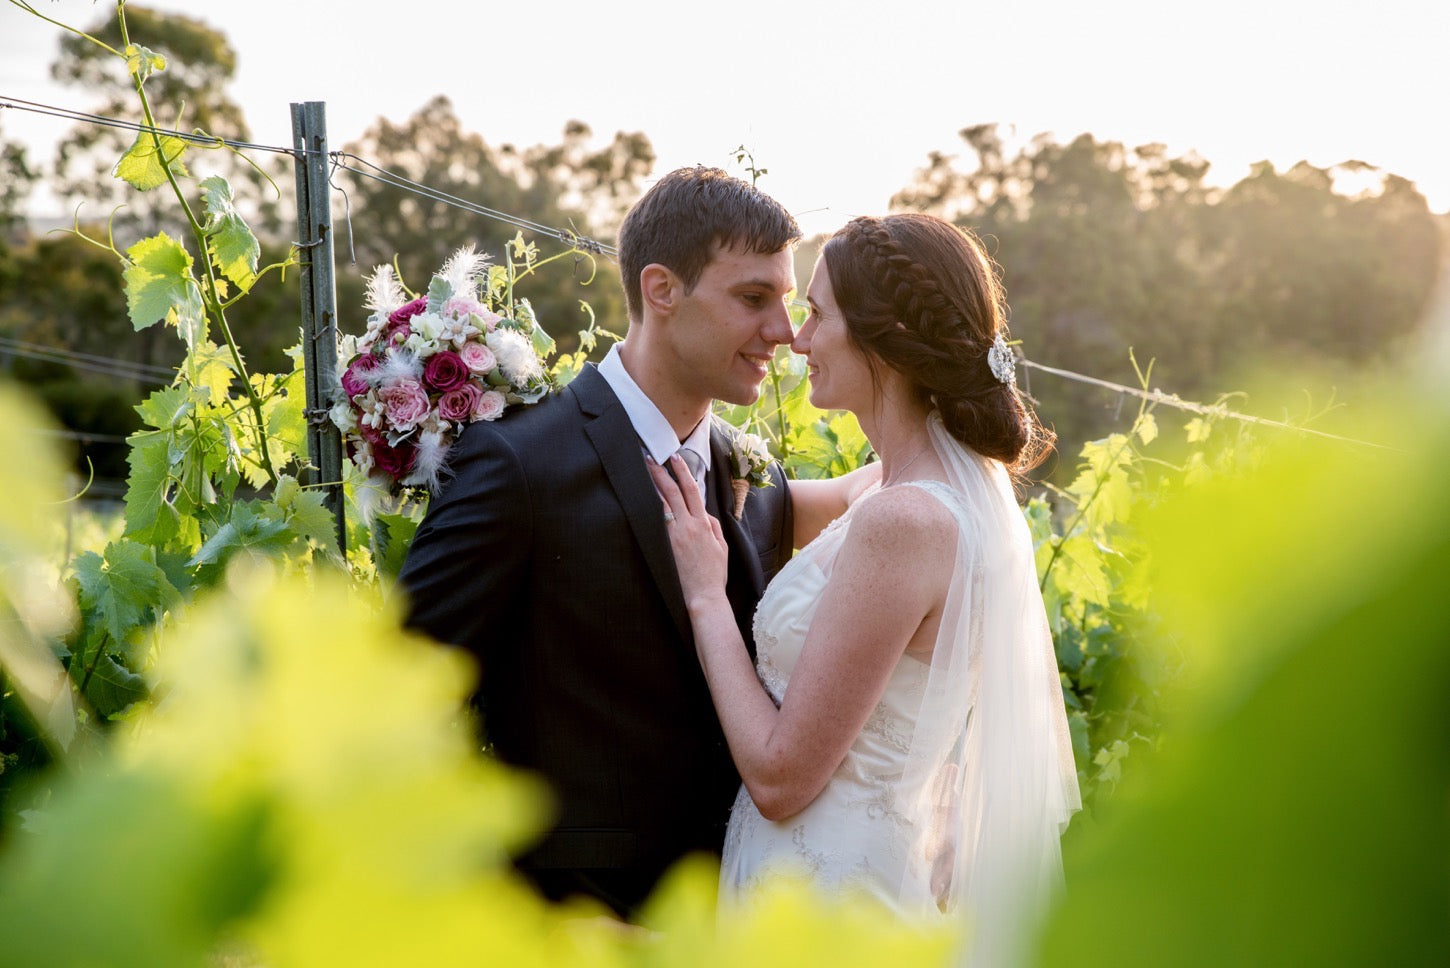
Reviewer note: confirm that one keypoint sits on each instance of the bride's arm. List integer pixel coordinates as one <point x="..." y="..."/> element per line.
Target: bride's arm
<point x="889" y="580"/>
<point x="815" y="504"/>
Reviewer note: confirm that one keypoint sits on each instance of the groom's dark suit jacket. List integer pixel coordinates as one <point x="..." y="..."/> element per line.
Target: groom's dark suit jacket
<point x="545" y="555"/>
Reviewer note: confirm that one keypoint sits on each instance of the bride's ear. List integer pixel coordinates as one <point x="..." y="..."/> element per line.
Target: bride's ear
<point x="659" y="289"/>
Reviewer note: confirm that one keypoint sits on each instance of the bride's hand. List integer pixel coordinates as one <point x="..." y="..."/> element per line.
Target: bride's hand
<point x="701" y="555"/>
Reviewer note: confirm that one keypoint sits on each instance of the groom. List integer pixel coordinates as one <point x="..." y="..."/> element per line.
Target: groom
<point x="546" y="557"/>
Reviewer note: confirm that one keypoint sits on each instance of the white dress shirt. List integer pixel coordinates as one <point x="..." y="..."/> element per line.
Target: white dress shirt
<point x="655" y="433"/>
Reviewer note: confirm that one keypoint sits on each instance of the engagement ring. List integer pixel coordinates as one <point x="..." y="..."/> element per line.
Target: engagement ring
<point x="669" y="516"/>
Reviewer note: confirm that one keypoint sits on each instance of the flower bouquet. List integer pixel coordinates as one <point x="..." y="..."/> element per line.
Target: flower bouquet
<point x="428" y="367"/>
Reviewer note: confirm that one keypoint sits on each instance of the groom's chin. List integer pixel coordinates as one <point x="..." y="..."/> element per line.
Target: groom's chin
<point x="743" y="396"/>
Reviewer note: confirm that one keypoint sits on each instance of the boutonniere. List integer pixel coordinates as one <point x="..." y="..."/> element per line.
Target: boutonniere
<point x="749" y="467"/>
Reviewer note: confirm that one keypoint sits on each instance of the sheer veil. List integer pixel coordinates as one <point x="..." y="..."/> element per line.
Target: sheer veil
<point x="989" y="780"/>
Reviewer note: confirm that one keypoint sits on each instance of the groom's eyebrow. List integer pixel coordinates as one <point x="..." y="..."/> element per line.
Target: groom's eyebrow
<point x="766" y="284"/>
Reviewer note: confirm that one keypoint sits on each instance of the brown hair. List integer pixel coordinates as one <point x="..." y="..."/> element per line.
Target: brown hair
<point x="680" y="220"/>
<point x="922" y="296"/>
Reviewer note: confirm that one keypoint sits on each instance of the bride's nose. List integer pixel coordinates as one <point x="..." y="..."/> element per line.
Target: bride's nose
<point x="801" y="344"/>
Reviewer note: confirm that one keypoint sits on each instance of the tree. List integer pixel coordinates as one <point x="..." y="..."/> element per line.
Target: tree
<point x="16" y="180"/>
<point x="1104" y="248"/>
<point x="189" y="95"/>
<point x="567" y="186"/>
<point x="1309" y="271"/>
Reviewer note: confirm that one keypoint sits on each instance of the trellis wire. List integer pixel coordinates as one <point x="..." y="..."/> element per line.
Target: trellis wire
<point x="402" y="182"/>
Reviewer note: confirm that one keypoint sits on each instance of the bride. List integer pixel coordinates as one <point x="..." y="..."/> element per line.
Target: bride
<point x="902" y="732"/>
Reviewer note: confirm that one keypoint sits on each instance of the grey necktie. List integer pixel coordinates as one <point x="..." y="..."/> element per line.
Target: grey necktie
<point x="695" y="463"/>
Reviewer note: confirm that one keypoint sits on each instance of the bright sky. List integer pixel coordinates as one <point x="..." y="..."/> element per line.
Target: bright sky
<point x="841" y="106"/>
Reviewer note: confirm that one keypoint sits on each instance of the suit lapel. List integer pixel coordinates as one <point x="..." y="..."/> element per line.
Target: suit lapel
<point x="620" y="456"/>
<point x="742" y="547"/>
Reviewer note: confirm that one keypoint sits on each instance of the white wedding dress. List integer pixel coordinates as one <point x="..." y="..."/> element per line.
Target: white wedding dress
<point x="852" y="837"/>
<point x="951" y="800"/>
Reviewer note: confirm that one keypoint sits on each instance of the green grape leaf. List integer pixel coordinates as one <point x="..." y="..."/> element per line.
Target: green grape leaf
<point x="165" y="408"/>
<point x="851" y="442"/>
<point x="1039" y="521"/>
<point x="1069" y="648"/>
<point x="286" y="492"/>
<point x="141" y="62"/>
<point x="1079" y="572"/>
<point x="309" y="517"/>
<point x="1147" y="428"/>
<point x="112" y="687"/>
<point x="234" y="249"/>
<point x="395" y="533"/>
<point x="282" y="412"/>
<point x="213" y="371"/>
<point x="248" y="531"/>
<point x="173" y="566"/>
<point x="144" y="164"/>
<point x="120" y="588"/>
<point x="150" y="518"/>
<point x="159" y="286"/>
<point x="1077" y="727"/>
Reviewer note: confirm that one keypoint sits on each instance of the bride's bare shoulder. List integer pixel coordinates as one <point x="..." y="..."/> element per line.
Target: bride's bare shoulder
<point x="902" y="517"/>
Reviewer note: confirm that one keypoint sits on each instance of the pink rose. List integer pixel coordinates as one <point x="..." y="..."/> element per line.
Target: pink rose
<point x="490" y="405"/>
<point x="394" y="461"/>
<point x="459" y="405"/>
<point x="478" y="358"/>
<point x="405" y="403"/>
<point x="461" y="307"/>
<point x="354" y="380"/>
<point x="445" y="371"/>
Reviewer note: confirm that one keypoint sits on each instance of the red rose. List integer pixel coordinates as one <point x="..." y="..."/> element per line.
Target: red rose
<point x="394" y="461"/>
<point x="407" y="311"/>
<point x="354" y="380"/>
<point x="445" y="371"/>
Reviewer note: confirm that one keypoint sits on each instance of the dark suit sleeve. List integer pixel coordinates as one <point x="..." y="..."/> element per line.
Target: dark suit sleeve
<point x="468" y="561"/>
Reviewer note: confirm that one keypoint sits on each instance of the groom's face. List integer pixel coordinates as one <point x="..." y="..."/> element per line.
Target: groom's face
<point x="725" y="330"/>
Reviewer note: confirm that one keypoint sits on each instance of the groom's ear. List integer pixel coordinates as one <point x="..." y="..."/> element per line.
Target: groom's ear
<point x="660" y="289"/>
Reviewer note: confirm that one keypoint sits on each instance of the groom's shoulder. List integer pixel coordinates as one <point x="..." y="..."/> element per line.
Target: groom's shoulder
<point x="527" y="428"/>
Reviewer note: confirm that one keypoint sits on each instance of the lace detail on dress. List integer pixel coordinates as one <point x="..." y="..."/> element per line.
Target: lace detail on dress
<point x="770" y="675"/>
<point x="815" y="861"/>
<point x="888" y="729"/>
<point x="881" y="804"/>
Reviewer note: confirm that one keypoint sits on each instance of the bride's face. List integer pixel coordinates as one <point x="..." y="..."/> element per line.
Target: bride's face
<point x="840" y="377"/>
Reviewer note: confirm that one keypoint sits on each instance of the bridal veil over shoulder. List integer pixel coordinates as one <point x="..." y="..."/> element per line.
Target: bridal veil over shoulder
<point x="954" y="796"/>
<point x="992" y="775"/>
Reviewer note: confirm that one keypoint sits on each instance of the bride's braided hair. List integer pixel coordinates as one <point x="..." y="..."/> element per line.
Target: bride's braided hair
<point x="921" y="295"/>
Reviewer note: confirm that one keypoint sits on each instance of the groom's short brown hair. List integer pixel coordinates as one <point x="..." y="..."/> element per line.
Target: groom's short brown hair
<point x="680" y="220"/>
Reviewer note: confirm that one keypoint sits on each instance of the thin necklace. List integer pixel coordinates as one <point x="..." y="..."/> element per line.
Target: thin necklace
<point x="902" y="469"/>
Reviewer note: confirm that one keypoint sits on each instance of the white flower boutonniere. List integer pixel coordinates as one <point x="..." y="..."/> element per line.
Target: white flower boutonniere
<point x="749" y="467"/>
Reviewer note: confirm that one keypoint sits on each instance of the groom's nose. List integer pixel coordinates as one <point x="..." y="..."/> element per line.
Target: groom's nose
<point x="777" y="329"/>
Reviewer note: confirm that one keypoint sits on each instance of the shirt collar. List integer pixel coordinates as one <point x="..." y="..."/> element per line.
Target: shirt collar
<point x="653" y="429"/>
